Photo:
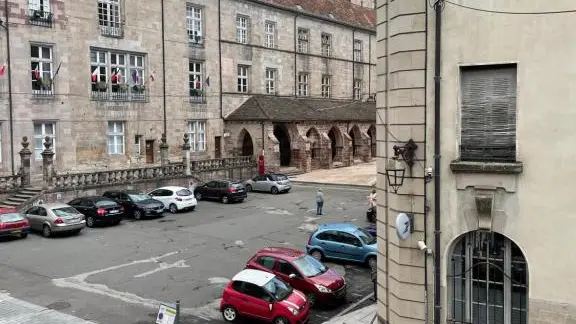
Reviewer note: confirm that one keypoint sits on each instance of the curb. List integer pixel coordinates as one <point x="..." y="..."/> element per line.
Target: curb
<point x="352" y="307"/>
<point x="313" y="183"/>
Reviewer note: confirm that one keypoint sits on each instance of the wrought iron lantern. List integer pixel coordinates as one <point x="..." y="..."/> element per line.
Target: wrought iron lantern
<point x="394" y="171"/>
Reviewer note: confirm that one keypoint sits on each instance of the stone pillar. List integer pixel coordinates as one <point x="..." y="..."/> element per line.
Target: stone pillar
<point x="163" y="151"/>
<point x="186" y="154"/>
<point x="25" y="154"/>
<point x="47" y="164"/>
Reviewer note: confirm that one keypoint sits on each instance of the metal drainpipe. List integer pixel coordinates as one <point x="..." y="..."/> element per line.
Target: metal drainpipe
<point x="220" y="56"/>
<point x="10" y="104"/>
<point x="295" y="57"/>
<point x="353" y="62"/>
<point x="426" y="294"/>
<point x="369" y="66"/>
<point x="438" y="7"/>
<point x="163" y="69"/>
<point x="262" y="123"/>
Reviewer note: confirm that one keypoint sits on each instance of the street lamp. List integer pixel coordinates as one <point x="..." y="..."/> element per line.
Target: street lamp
<point x="394" y="171"/>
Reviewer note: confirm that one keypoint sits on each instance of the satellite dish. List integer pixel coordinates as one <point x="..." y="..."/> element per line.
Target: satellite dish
<point x="403" y="226"/>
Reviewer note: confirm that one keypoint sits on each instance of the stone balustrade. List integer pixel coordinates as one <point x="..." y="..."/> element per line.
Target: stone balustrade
<point x="10" y="183"/>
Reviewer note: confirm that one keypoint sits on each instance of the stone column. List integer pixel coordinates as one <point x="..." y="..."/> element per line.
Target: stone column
<point x="186" y="154"/>
<point x="47" y="164"/>
<point x="163" y="151"/>
<point x="25" y="154"/>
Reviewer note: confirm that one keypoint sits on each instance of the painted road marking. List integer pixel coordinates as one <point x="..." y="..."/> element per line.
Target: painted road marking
<point x="164" y="266"/>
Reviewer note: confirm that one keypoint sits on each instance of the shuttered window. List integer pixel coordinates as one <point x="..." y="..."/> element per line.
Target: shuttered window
<point x="488" y="131"/>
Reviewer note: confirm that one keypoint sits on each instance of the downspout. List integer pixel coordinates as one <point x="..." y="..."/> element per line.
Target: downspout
<point x="369" y="66"/>
<point x="386" y="139"/>
<point x="438" y="7"/>
<point x="353" y="62"/>
<point x="10" y="104"/>
<point x="426" y="294"/>
<point x="262" y="123"/>
<point x="295" y="57"/>
<point x="220" y="56"/>
<point x="163" y="69"/>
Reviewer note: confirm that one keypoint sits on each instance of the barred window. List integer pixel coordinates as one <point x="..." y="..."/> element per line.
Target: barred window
<point x="109" y="17"/>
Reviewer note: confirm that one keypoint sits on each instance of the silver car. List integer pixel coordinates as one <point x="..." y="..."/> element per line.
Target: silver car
<point x="55" y="218"/>
<point x="270" y="182"/>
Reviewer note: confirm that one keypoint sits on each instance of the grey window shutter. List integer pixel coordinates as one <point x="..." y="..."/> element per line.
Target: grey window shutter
<point x="488" y="101"/>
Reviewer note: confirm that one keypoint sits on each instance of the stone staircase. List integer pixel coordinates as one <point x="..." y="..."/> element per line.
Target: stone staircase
<point x="21" y="197"/>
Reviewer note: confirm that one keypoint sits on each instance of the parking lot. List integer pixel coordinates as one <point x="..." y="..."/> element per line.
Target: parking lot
<point x="120" y="274"/>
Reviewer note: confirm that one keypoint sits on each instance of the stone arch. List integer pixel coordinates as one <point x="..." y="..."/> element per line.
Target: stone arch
<point x="356" y="136"/>
<point x="313" y="136"/>
<point x="245" y="143"/>
<point x="372" y="133"/>
<point x="487" y="276"/>
<point x="336" y="143"/>
<point x="282" y="134"/>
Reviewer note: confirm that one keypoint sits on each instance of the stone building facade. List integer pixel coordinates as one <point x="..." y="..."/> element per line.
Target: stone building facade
<point x="502" y="251"/>
<point x="107" y="105"/>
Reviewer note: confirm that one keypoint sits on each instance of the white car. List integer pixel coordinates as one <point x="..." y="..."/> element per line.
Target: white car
<point x="175" y="198"/>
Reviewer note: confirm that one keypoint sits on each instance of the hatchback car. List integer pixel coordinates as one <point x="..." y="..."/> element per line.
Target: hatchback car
<point x="222" y="190"/>
<point x="175" y="198"/>
<point x="98" y="210"/>
<point x="343" y="241"/>
<point x="271" y="182"/>
<point x="136" y="204"/>
<point x="320" y="283"/>
<point x="55" y="218"/>
<point x="261" y="295"/>
<point x="12" y="223"/>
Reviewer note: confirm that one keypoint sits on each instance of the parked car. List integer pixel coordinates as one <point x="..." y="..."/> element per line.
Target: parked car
<point x="98" y="210"/>
<point x="343" y="241"/>
<point x="55" y="218"/>
<point x="175" y="198"/>
<point x="320" y="284"/>
<point x="136" y="204"/>
<point x="12" y="223"/>
<point x="222" y="190"/>
<point x="270" y="182"/>
<point x="261" y="295"/>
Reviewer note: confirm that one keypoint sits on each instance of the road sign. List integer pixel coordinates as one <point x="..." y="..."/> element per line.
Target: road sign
<point x="166" y="314"/>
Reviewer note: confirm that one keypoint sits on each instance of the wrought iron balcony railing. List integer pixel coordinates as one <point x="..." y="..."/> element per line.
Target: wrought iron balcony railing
<point x="40" y="18"/>
<point x="118" y="92"/>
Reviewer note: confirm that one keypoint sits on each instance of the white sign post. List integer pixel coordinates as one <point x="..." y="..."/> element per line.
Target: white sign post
<point x="167" y="314"/>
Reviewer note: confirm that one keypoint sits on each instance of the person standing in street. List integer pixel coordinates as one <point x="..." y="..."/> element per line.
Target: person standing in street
<point x="319" y="201"/>
<point x="374" y="277"/>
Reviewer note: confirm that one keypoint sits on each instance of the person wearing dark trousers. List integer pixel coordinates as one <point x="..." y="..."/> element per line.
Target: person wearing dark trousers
<point x="374" y="278"/>
<point x="319" y="202"/>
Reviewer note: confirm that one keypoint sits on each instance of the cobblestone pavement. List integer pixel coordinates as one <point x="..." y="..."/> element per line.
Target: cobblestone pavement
<point x="119" y="275"/>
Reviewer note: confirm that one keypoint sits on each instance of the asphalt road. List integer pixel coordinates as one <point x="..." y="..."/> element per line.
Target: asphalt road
<point x="121" y="274"/>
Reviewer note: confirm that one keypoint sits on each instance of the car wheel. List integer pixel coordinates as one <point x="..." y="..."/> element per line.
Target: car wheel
<point x="137" y="214"/>
<point x="274" y="190"/>
<point x="24" y="235"/>
<point x="46" y="231"/>
<point x="318" y="255"/>
<point x="90" y="221"/>
<point x="371" y="262"/>
<point x="224" y="199"/>
<point x="173" y="209"/>
<point x="192" y="208"/>
<point x="230" y="314"/>
<point x="248" y="188"/>
<point x="198" y="196"/>
<point x="281" y="320"/>
<point x="311" y="298"/>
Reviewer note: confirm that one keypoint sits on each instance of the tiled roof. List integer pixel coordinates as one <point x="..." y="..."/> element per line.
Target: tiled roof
<point x="343" y="10"/>
<point x="272" y="108"/>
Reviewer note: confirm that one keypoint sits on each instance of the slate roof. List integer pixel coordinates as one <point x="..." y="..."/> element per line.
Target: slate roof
<point x="289" y="109"/>
<point x="343" y="10"/>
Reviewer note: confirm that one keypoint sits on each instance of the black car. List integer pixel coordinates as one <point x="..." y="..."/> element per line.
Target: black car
<point x="136" y="204"/>
<point x="98" y="209"/>
<point x="223" y="190"/>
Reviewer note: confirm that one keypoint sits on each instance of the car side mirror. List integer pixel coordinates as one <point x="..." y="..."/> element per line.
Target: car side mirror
<point x="270" y="306"/>
<point x="292" y="276"/>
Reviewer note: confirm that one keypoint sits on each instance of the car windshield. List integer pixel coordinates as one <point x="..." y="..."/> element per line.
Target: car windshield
<point x="309" y="266"/>
<point x="278" y="177"/>
<point x="184" y="192"/>
<point x="64" y="211"/>
<point x="104" y="203"/>
<point x="139" y="197"/>
<point x="12" y="217"/>
<point x="278" y="288"/>
<point x="366" y="237"/>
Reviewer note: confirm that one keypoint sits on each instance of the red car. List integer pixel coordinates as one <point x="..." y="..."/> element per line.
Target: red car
<point x="261" y="295"/>
<point x="12" y="223"/>
<point x="320" y="283"/>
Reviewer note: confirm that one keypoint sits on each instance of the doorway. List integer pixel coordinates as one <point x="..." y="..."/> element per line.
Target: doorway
<point x="150" y="151"/>
<point x="281" y="134"/>
<point x="247" y="144"/>
<point x="217" y="147"/>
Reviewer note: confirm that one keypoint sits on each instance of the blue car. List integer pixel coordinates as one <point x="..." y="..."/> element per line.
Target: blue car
<point x="343" y="241"/>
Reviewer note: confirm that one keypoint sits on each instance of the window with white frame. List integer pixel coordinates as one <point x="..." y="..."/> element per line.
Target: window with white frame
<point x="195" y="80"/>
<point x="326" y="44"/>
<point x="326" y="86"/>
<point x="116" y="137"/>
<point x="41" y="130"/>
<point x="39" y="6"/>
<point x="358" y="50"/>
<point x="270" y="34"/>
<point x="242" y="25"/>
<point x="303" y="84"/>
<point x="120" y="74"/>
<point x="270" y="79"/>
<point x="39" y="13"/>
<point x="357" y="89"/>
<point x="109" y="17"/>
<point x="243" y="78"/>
<point x="303" y="40"/>
<point x="197" y="134"/>
<point x="41" y="65"/>
<point x="137" y="145"/>
<point x="194" y="25"/>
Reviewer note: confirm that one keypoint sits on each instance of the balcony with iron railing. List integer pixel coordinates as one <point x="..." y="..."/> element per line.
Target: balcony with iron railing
<point x="102" y="91"/>
<point x="43" y="88"/>
<point x="197" y="96"/>
<point x="40" y="18"/>
<point x="111" y="31"/>
<point x="195" y="40"/>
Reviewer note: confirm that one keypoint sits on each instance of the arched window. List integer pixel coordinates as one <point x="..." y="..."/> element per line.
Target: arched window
<point x="489" y="281"/>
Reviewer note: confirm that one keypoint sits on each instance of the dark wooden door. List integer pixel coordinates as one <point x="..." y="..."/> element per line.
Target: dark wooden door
<point x="149" y="151"/>
<point x="217" y="147"/>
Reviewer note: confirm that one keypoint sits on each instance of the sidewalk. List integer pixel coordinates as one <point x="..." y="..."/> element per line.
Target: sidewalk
<point x="16" y="311"/>
<point x="361" y="175"/>
<point x="361" y="316"/>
